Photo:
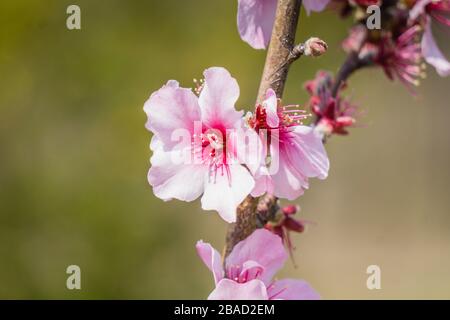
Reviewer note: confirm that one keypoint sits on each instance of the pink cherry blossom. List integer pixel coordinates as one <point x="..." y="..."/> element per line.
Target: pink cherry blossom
<point x="256" y="17"/>
<point x="206" y="119"/>
<point x="296" y="151"/>
<point x="429" y="10"/>
<point x="249" y="271"/>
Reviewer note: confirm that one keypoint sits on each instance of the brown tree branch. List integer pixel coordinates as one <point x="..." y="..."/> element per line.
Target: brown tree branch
<point x="280" y="55"/>
<point x="352" y="63"/>
<point x="281" y="45"/>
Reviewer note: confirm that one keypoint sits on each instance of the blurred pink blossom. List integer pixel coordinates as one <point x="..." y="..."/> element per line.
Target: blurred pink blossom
<point x="256" y="17"/>
<point x="402" y="57"/>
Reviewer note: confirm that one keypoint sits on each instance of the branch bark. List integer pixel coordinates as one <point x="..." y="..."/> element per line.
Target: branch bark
<point x="351" y="64"/>
<point x="250" y="213"/>
<point x="281" y="45"/>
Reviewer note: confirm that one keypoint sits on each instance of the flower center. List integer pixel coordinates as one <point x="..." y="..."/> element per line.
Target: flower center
<point x="211" y="148"/>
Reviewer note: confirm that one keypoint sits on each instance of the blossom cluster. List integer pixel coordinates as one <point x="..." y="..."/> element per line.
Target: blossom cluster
<point x="204" y="148"/>
<point x="230" y="156"/>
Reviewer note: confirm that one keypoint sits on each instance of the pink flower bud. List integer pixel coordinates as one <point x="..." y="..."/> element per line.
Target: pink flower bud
<point x="315" y="47"/>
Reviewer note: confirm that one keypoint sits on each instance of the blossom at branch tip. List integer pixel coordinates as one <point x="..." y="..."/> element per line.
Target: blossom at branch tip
<point x="205" y="162"/>
<point x="255" y="19"/>
<point x="424" y="12"/>
<point x="333" y="114"/>
<point x="292" y="152"/>
<point x="249" y="270"/>
<point x="400" y="57"/>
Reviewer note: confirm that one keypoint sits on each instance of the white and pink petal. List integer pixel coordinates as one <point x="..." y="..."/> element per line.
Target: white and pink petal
<point x="315" y="5"/>
<point x="432" y="54"/>
<point x="307" y="153"/>
<point x="286" y="181"/>
<point x="225" y="188"/>
<point x="171" y="109"/>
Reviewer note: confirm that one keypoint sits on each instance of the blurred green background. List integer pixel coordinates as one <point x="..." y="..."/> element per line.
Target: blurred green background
<point x="74" y="158"/>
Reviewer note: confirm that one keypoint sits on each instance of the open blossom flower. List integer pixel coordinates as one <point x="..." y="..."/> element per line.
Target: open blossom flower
<point x="284" y="223"/>
<point x="209" y="169"/>
<point x="428" y="11"/>
<point x="249" y="270"/>
<point x="355" y="39"/>
<point x="256" y="18"/>
<point x="333" y="114"/>
<point x="295" y="151"/>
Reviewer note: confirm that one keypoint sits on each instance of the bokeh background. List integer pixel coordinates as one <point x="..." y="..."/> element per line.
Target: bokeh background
<point x="74" y="156"/>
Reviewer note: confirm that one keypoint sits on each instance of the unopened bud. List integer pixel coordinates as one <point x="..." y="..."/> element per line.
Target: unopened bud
<point x="345" y="121"/>
<point x="315" y="47"/>
<point x="278" y="230"/>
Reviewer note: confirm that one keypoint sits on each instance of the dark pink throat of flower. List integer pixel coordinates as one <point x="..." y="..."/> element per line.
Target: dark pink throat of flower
<point x="211" y="147"/>
<point x="289" y="116"/>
